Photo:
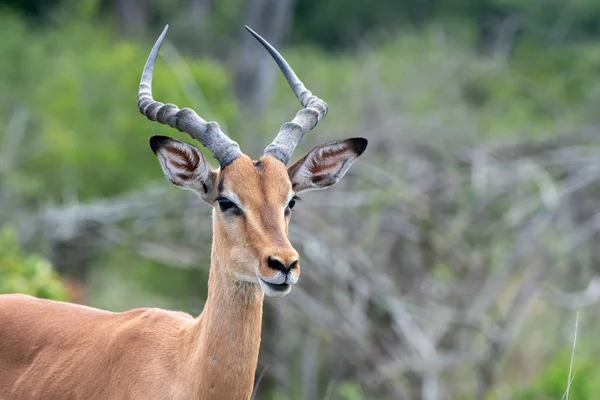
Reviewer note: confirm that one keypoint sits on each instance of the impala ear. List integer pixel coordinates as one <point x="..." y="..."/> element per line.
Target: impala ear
<point x="325" y="165"/>
<point x="184" y="165"/>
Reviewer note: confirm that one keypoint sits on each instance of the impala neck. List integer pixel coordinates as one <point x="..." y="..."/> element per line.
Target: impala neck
<point x="226" y="336"/>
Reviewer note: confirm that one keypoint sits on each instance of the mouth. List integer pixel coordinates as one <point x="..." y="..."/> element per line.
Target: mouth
<point x="274" y="289"/>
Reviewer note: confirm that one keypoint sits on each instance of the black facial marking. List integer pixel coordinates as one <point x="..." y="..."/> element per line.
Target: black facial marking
<point x="258" y="164"/>
<point x="221" y="184"/>
<point x="229" y="207"/>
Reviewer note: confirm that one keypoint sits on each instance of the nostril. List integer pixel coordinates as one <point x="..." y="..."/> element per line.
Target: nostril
<point x="276" y="264"/>
<point x="293" y="265"/>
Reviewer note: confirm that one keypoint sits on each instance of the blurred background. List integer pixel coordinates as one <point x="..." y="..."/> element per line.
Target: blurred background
<point x="451" y="262"/>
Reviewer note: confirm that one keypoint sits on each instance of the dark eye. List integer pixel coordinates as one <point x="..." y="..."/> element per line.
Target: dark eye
<point x="292" y="203"/>
<point x="226" y="204"/>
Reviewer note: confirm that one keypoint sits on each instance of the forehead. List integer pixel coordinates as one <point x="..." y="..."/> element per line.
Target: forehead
<point x="263" y="180"/>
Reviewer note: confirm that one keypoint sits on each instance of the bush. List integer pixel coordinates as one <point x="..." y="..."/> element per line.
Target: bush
<point x="552" y="382"/>
<point x="26" y="273"/>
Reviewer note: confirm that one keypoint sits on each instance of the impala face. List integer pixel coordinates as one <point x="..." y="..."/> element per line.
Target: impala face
<point x="252" y="200"/>
<point x="253" y="207"/>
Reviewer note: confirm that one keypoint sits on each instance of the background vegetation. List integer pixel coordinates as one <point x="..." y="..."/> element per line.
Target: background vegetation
<point x="449" y="264"/>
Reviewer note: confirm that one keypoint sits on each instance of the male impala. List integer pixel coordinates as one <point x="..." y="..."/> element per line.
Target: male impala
<point x="53" y="350"/>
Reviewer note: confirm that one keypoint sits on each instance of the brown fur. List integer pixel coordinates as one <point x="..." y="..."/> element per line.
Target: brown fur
<point x="52" y="350"/>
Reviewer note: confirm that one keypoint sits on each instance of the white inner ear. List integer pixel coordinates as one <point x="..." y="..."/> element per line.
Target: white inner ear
<point x="303" y="174"/>
<point x="323" y="163"/>
<point x="184" y="166"/>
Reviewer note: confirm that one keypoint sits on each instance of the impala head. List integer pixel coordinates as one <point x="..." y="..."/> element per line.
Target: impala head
<point x="252" y="200"/>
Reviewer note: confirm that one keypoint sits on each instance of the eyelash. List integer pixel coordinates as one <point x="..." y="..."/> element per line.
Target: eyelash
<point x="291" y="204"/>
<point x="228" y="205"/>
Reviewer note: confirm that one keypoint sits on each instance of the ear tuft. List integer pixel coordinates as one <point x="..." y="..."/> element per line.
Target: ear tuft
<point x="358" y="145"/>
<point x="157" y="142"/>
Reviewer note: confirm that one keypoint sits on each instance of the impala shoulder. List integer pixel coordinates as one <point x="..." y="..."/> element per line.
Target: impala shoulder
<point x="157" y="315"/>
<point x="150" y="324"/>
<point x="16" y="298"/>
<point x="146" y="334"/>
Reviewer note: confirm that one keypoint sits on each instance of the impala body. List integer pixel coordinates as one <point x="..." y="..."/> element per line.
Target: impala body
<point x="55" y="350"/>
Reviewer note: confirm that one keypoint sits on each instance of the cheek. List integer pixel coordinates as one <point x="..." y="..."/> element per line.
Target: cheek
<point x="240" y="240"/>
<point x="233" y="227"/>
<point x="242" y="255"/>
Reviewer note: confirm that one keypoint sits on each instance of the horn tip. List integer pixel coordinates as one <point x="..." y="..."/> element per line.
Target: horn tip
<point x="164" y="32"/>
<point x="256" y="35"/>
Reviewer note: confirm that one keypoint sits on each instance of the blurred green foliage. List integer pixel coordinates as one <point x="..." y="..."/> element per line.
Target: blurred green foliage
<point x="338" y="24"/>
<point x="552" y="383"/>
<point x="534" y="93"/>
<point x="21" y="272"/>
<point x="121" y="284"/>
<point x="349" y="391"/>
<point x="78" y="86"/>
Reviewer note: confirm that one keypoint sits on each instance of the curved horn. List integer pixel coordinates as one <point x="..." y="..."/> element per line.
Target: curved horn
<point x="306" y="119"/>
<point x="223" y="149"/>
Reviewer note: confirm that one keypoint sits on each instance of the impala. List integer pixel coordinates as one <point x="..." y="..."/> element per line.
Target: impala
<point x="55" y="350"/>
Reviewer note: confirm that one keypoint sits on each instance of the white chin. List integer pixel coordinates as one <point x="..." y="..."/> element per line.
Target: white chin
<point x="272" y="290"/>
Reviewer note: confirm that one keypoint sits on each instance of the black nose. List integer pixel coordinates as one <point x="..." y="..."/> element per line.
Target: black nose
<point x="280" y="266"/>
